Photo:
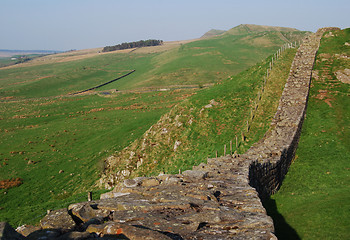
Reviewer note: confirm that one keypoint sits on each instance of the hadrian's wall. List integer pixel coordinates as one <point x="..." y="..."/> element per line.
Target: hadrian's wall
<point x="217" y="200"/>
<point x="272" y="155"/>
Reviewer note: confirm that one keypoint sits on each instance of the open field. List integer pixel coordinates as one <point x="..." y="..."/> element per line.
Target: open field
<point x="314" y="201"/>
<point x="199" y="62"/>
<point x="56" y="143"/>
<point x="88" y="53"/>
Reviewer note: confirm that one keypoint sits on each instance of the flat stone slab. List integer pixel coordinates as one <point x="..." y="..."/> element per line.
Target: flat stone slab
<point x="58" y="219"/>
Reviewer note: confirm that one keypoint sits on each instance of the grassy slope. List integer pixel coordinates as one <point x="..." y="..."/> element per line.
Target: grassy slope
<point x="315" y="196"/>
<point x="199" y="62"/>
<point x="69" y="134"/>
<point x="202" y="131"/>
<point x="4" y="61"/>
<point x="73" y="133"/>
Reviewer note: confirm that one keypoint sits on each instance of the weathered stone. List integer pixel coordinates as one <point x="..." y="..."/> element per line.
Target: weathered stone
<point x="177" y="144"/>
<point x="8" y="233"/>
<point x="25" y="230"/>
<point x="130" y="232"/>
<point x="90" y="222"/>
<point x="163" y="177"/>
<point x="130" y="183"/>
<point x="214" y="103"/>
<point x="96" y="228"/>
<point x="172" y="180"/>
<point x="195" y="174"/>
<point x="87" y="211"/>
<point x="112" y="195"/>
<point x="58" y="219"/>
<point x="150" y="182"/>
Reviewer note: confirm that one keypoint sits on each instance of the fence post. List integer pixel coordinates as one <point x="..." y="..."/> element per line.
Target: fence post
<point x="89" y="196"/>
<point x="231" y="147"/>
<point x="225" y="150"/>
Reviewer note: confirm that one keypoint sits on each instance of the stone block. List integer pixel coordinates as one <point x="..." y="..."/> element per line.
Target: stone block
<point x="58" y="219"/>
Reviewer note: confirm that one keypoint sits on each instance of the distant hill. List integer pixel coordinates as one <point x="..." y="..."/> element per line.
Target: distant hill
<point x="248" y="29"/>
<point x="251" y="28"/>
<point x="213" y="33"/>
<point x="10" y="53"/>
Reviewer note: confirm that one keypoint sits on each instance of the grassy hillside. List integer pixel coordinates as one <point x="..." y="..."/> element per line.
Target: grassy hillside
<point x="314" y="201"/>
<point x="195" y="63"/>
<point x="56" y="142"/>
<point x="198" y="127"/>
<point x="56" y="145"/>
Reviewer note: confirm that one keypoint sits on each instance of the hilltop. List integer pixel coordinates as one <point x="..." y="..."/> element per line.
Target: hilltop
<point x="251" y="28"/>
<point x="244" y="29"/>
<point x="213" y="33"/>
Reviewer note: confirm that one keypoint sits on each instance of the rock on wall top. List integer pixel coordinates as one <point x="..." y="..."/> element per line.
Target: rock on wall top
<point x="217" y="200"/>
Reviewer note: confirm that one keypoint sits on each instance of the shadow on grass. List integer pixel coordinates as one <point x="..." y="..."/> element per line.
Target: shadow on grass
<point x="283" y="230"/>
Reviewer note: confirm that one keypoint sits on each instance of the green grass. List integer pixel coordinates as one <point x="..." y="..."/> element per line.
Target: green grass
<point x="314" y="200"/>
<point x="70" y="134"/>
<point x="195" y="63"/>
<point x="5" y="61"/>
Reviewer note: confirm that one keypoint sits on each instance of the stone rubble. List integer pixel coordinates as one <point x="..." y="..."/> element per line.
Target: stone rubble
<point x="217" y="200"/>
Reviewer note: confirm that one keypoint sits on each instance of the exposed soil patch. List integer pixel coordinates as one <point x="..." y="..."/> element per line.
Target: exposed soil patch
<point x="10" y="183"/>
<point x="324" y="95"/>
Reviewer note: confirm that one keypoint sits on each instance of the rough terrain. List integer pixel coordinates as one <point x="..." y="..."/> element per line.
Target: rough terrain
<point x="217" y="200"/>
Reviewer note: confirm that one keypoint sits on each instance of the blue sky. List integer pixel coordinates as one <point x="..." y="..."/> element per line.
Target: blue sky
<point x="79" y="24"/>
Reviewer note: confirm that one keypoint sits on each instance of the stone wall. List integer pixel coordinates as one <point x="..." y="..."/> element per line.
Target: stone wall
<point x="272" y="155"/>
<point x="217" y="200"/>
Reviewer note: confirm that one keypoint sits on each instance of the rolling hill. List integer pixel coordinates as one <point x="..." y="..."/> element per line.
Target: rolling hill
<point x="57" y="143"/>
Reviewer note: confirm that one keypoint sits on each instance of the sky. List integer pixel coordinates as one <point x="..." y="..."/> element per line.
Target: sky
<point x="80" y="24"/>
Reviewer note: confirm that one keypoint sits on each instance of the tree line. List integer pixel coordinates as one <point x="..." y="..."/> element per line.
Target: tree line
<point x="127" y="45"/>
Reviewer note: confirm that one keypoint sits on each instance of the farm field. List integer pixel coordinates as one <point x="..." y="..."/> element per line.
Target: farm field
<point x="313" y="202"/>
<point x="55" y="143"/>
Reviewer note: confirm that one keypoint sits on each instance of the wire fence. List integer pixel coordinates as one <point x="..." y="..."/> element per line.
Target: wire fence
<point x="239" y="140"/>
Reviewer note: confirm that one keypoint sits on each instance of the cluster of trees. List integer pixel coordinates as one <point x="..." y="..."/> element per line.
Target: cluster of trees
<point x="142" y="43"/>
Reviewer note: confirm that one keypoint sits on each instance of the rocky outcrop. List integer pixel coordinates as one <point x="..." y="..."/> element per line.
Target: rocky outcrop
<point x="217" y="200"/>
